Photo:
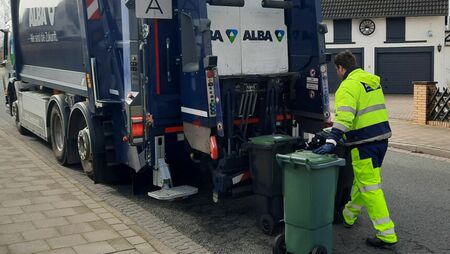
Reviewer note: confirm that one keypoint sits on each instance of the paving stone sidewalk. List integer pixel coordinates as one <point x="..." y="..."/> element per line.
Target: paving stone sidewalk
<point x="418" y="138"/>
<point x="42" y="210"/>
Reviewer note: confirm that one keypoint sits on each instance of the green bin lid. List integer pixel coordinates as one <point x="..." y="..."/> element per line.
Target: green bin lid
<point x="270" y="139"/>
<point x="311" y="160"/>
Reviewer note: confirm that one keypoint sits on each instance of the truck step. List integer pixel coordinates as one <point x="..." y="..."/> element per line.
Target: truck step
<point x="174" y="193"/>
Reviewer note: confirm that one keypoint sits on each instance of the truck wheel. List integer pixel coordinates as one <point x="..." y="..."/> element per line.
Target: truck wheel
<point x="85" y="152"/>
<point x="58" y="135"/>
<point x="15" y="113"/>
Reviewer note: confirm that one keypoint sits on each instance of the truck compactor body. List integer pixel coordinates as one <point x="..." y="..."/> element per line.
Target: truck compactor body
<point x="168" y="90"/>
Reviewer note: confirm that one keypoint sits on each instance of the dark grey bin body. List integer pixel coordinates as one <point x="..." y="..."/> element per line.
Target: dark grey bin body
<point x="267" y="177"/>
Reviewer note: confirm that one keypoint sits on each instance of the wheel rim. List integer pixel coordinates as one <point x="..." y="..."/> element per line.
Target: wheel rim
<point x="84" y="150"/>
<point x="84" y="144"/>
<point x="58" y="134"/>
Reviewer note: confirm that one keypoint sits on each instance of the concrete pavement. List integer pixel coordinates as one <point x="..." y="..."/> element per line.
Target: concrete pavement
<point x="44" y="211"/>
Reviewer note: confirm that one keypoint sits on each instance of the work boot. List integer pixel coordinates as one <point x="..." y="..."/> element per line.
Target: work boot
<point x="346" y="224"/>
<point x="378" y="243"/>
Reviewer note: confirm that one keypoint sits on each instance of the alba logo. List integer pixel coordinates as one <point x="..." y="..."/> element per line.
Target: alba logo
<point x="232" y="34"/>
<point x="280" y="34"/>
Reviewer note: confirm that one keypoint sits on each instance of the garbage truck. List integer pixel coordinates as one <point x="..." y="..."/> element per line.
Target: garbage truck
<point x="6" y="60"/>
<point x="138" y="86"/>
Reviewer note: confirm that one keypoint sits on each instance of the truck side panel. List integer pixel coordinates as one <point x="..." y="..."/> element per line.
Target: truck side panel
<point x="50" y="44"/>
<point x="50" y="35"/>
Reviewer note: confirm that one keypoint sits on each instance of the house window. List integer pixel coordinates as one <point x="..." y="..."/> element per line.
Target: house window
<point x="395" y="29"/>
<point x="342" y="31"/>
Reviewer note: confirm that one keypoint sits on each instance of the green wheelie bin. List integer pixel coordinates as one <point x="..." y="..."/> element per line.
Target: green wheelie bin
<point x="309" y="187"/>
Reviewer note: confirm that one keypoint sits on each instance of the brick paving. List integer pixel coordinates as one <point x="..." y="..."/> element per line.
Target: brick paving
<point x="420" y="138"/>
<point x="43" y="210"/>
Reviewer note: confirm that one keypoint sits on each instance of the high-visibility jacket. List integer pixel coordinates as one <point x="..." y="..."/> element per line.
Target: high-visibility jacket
<point x="360" y="109"/>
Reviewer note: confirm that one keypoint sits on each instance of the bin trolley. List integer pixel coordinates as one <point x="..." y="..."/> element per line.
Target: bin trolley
<point x="309" y="186"/>
<point x="267" y="177"/>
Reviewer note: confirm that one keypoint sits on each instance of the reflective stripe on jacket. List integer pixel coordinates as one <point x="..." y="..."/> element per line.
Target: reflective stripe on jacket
<point x="360" y="109"/>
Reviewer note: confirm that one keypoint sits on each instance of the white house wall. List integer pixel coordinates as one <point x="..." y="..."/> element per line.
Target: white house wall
<point x="417" y="29"/>
<point x="447" y="66"/>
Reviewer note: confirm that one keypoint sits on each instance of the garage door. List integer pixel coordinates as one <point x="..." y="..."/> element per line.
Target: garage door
<point x="399" y="67"/>
<point x="333" y="79"/>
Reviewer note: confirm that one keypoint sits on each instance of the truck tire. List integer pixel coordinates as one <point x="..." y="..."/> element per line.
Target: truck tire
<point x="88" y="140"/>
<point x="58" y="135"/>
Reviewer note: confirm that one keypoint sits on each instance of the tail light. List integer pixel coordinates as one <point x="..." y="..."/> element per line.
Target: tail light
<point x="214" y="149"/>
<point x="137" y="126"/>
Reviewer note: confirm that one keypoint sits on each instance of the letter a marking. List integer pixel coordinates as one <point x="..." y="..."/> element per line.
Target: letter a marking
<point x="157" y="7"/>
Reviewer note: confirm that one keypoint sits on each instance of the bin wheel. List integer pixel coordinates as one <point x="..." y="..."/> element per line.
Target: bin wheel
<point x="267" y="224"/>
<point x="319" y="250"/>
<point x="279" y="245"/>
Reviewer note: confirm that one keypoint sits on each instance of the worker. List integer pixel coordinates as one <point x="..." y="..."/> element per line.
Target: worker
<point x="362" y="121"/>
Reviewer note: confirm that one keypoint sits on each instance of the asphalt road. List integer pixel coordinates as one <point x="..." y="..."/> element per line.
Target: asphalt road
<point x="417" y="190"/>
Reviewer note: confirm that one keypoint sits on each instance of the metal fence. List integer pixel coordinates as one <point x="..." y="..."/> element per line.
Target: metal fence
<point x="447" y="38"/>
<point x="439" y="106"/>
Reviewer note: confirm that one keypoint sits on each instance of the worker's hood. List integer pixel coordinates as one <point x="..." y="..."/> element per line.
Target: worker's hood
<point x="367" y="78"/>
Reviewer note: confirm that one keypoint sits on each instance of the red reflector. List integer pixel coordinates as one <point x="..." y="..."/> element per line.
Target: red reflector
<point x="137" y="119"/>
<point x="284" y="117"/>
<point x="247" y="175"/>
<point x="248" y="121"/>
<point x="328" y="124"/>
<point x="213" y="148"/>
<point x="210" y="74"/>
<point x="174" y="129"/>
<point x="137" y="130"/>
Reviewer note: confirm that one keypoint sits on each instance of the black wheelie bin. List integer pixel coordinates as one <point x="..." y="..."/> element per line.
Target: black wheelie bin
<point x="267" y="177"/>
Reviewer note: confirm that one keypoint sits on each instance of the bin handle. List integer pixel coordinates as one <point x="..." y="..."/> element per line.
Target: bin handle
<point x="339" y="162"/>
<point x="282" y="157"/>
<point x="296" y="139"/>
